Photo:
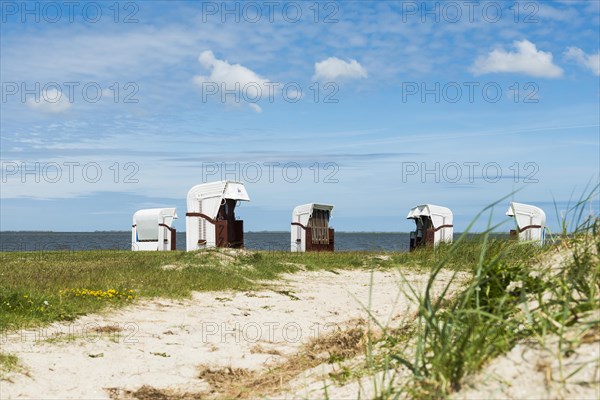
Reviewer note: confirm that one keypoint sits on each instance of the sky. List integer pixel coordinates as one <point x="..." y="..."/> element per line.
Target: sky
<point x="374" y="107"/>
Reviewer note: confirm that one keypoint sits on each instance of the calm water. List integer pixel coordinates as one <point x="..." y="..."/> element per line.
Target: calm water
<point x="48" y="241"/>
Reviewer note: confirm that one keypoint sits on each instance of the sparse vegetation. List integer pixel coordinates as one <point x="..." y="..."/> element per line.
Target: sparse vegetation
<point x="8" y="363"/>
<point x="241" y="383"/>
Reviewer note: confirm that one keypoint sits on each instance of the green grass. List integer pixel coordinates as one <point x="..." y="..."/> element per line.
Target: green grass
<point x="455" y="339"/>
<point x="38" y="288"/>
<point x="8" y="363"/>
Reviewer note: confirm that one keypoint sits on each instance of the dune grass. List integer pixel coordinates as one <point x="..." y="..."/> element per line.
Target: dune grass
<point x="518" y="291"/>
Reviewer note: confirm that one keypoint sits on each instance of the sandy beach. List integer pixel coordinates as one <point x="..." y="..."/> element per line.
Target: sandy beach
<point x="163" y="344"/>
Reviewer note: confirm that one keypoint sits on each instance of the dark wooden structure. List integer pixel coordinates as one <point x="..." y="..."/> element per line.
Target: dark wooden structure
<point x="316" y="234"/>
<point x="173" y="233"/>
<point x="229" y="231"/>
<point x="423" y="235"/>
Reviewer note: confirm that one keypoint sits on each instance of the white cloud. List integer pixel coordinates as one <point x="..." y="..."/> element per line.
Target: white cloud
<point x="589" y="61"/>
<point x="255" y="107"/>
<point x="527" y="59"/>
<point x="50" y="100"/>
<point x="333" y="68"/>
<point x="231" y="83"/>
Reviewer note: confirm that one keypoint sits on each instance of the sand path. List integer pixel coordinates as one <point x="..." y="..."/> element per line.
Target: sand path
<point x="162" y="343"/>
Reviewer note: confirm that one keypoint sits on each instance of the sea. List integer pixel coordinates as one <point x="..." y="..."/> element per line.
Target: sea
<point x="271" y="241"/>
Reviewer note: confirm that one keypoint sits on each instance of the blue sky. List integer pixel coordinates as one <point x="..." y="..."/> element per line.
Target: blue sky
<point x="489" y="97"/>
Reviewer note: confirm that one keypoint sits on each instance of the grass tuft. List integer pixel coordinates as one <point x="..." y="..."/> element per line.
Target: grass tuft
<point x="8" y="363"/>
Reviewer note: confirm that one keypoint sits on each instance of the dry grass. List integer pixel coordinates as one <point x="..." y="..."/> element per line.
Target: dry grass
<point x="591" y="335"/>
<point x="258" y="349"/>
<point x="107" y="329"/>
<point x="229" y="382"/>
<point x="149" y="393"/>
<point x="240" y="383"/>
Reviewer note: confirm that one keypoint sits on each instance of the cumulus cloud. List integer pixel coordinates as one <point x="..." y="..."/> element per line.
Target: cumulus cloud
<point x="333" y="68"/>
<point x="50" y="100"/>
<point x="589" y="61"/>
<point x="527" y="59"/>
<point x="231" y="83"/>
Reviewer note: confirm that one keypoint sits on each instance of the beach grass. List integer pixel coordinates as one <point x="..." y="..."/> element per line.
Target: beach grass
<point x="517" y="292"/>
